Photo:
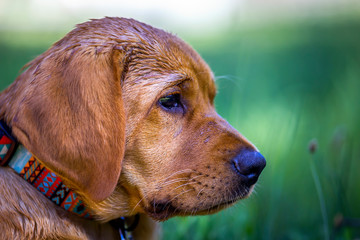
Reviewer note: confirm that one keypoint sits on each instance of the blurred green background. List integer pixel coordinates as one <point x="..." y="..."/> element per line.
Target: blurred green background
<point x="285" y="84"/>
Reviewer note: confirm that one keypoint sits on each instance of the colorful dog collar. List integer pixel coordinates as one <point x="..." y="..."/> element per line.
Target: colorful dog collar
<point x="26" y="165"/>
<point x="34" y="172"/>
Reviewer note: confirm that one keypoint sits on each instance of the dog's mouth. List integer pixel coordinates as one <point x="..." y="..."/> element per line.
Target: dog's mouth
<point x="196" y="199"/>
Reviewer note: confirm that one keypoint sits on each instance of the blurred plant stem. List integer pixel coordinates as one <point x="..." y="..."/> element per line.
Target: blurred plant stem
<point x="312" y="149"/>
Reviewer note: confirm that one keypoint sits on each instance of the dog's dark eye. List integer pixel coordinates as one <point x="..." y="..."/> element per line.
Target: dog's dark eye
<point x="171" y="102"/>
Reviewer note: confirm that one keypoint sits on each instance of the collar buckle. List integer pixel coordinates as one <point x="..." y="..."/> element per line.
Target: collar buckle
<point x="124" y="230"/>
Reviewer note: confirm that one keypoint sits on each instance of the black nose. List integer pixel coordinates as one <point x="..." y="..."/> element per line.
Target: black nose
<point x="248" y="165"/>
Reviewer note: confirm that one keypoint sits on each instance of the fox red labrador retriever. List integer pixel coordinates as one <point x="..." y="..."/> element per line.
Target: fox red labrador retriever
<point x="115" y="120"/>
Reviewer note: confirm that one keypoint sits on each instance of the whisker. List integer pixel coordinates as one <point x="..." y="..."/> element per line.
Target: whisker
<point x="200" y="191"/>
<point x="185" y="184"/>
<point x="138" y="204"/>
<point x="179" y="180"/>
<point x="180" y="194"/>
<point x="173" y="181"/>
<point x="188" y="183"/>
<point x="176" y="173"/>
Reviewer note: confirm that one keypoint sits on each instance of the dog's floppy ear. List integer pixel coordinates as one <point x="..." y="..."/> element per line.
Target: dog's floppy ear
<point x="72" y="115"/>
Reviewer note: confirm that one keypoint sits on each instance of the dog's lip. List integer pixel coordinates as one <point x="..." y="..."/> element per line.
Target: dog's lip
<point x="162" y="212"/>
<point x="219" y="206"/>
<point x="171" y="211"/>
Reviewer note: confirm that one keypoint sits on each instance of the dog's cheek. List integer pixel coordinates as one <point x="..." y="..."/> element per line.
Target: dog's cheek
<point x="152" y="150"/>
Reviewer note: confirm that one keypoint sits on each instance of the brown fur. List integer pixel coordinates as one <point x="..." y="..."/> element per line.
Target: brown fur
<point x="88" y="109"/>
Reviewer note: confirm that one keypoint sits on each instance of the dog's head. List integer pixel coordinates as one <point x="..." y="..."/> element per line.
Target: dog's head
<point x="116" y="97"/>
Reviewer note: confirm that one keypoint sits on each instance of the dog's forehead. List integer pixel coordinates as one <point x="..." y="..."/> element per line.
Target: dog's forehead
<point x="157" y="58"/>
<point x="188" y="65"/>
<point x="156" y="79"/>
<point x="161" y="59"/>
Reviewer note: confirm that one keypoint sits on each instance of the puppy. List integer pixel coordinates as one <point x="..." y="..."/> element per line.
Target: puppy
<point x="123" y="113"/>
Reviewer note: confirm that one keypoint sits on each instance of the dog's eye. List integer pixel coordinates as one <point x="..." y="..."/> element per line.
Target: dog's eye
<point x="171" y="102"/>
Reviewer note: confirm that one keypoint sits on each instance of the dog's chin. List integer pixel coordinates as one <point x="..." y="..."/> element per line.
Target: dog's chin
<point x="161" y="210"/>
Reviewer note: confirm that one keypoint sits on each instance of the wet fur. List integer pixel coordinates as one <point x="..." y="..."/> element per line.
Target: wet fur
<point x="88" y="109"/>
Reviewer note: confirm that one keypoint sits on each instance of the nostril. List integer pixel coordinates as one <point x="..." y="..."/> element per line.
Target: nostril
<point x="249" y="165"/>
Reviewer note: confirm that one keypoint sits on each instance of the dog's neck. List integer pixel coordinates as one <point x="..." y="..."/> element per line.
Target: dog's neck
<point x="25" y="164"/>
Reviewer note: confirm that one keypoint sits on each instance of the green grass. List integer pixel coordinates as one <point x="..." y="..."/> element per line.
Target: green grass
<point x="280" y="86"/>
